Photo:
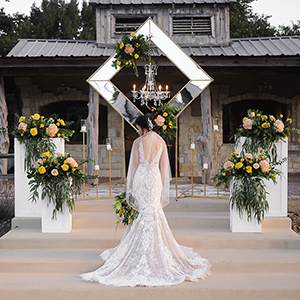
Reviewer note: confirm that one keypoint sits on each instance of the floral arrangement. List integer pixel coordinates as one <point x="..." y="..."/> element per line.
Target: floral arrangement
<point x="247" y="173"/>
<point x="131" y="49"/>
<point x="60" y="179"/>
<point x="124" y="211"/>
<point x="164" y="118"/>
<point x="36" y="131"/>
<point x="262" y="132"/>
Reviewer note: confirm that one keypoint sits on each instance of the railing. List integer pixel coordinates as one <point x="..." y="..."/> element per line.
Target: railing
<point x="7" y="156"/>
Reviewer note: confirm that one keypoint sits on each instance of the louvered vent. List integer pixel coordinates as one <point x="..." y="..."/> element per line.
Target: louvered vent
<point x="192" y="25"/>
<point x="126" y="25"/>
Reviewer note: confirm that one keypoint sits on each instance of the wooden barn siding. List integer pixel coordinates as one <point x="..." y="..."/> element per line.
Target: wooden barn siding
<point x="163" y="16"/>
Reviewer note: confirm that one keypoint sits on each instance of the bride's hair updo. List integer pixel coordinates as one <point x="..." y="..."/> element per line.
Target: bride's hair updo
<point x="145" y="122"/>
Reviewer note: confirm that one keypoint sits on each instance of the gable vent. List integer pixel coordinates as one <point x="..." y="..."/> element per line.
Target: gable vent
<point x="128" y="25"/>
<point x="192" y="25"/>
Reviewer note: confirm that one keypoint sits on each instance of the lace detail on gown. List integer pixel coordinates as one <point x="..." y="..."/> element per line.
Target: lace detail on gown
<point x="148" y="254"/>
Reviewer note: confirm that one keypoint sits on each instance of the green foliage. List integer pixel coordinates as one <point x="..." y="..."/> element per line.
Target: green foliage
<point x="54" y="19"/>
<point x="293" y="29"/>
<point x="60" y="180"/>
<point x="125" y="213"/>
<point x="247" y="174"/>
<point x="245" y="23"/>
<point x="249" y="196"/>
<point x="165" y="120"/>
<point x="132" y="49"/>
<point x="262" y="132"/>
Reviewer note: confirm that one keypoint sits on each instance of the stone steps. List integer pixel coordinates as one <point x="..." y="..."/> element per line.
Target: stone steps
<point x="207" y="238"/>
<point x="49" y="286"/>
<point x="244" y="265"/>
<point x="84" y="260"/>
<point x="176" y="220"/>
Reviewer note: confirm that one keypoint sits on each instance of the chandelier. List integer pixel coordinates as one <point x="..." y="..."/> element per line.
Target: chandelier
<point x="150" y="92"/>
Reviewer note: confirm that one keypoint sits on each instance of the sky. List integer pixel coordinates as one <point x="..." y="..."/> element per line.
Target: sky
<point x="282" y="12"/>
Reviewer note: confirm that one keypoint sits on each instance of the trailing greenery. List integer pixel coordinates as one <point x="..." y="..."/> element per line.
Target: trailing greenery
<point x="247" y="172"/>
<point x="125" y="213"/>
<point x="132" y="49"/>
<point x="249" y="196"/>
<point x="36" y="133"/>
<point x="165" y="119"/>
<point x="60" y="180"/>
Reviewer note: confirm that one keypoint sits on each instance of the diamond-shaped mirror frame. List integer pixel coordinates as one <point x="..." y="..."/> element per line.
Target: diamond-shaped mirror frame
<point x="198" y="79"/>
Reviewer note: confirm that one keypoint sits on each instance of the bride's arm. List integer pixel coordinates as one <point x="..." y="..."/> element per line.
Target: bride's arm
<point x="164" y="162"/>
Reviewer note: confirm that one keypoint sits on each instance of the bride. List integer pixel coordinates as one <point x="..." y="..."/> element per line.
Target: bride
<point x="148" y="254"/>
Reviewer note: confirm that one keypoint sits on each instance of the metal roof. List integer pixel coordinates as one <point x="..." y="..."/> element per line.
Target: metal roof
<point x="245" y="47"/>
<point x="133" y="2"/>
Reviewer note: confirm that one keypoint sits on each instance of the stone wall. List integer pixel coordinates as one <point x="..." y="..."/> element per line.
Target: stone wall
<point x="117" y="158"/>
<point x="189" y="129"/>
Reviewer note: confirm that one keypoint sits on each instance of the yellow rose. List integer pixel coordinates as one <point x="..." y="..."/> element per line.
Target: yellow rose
<point x="33" y="131"/>
<point x="239" y="165"/>
<point x="244" y="119"/>
<point x="121" y="45"/>
<point x="132" y="34"/>
<point x="171" y="126"/>
<point x="44" y="159"/>
<point x="62" y="122"/>
<point x="249" y="169"/>
<point x="73" y="169"/>
<point x="258" y="115"/>
<point x="58" y="124"/>
<point x="153" y="109"/>
<point x="274" y="175"/>
<point x="36" y="116"/>
<point x="234" y="153"/>
<point x="46" y="154"/>
<point x="164" y="127"/>
<point x="22" y="134"/>
<point x="136" y="56"/>
<point x="42" y="170"/>
<point x="118" y="63"/>
<point x="224" y="174"/>
<point x="165" y="114"/>
<point x="170" y="123"/>
<point x="42" y="125"/>
<point x="266" y="117"/>
<point x="65" y="167"/>
<point x="126" y="63"/>
<point x="21" y="119"/>
<point x="137" y="45"/>
<point x="119" y="220"/>
<point x="281" y="116"/>
<point x="42" y="117"/>
<point x="242" y="159"/>
<point x="58" y="134"/>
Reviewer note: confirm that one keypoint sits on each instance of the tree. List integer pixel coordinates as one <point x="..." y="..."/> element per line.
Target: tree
<point x="245" y="23"/>
<point x="293" y="29"/>
<point x="87" y="23"/>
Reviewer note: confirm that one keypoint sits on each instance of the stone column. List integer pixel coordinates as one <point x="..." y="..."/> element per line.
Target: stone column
<point x="93" y="130"/>
<point x="4" y="141"/>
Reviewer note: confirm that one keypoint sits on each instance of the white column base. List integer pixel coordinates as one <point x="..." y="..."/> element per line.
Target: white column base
<point x="238" y="224"/>
<point x="62" y="223"/>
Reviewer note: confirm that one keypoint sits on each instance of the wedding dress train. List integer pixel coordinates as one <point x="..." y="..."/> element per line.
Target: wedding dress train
<point x="148" y="254"/>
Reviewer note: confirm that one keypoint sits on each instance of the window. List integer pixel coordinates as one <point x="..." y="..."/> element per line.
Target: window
<point x="192" y="25"/>
<point x="128" y="25"/>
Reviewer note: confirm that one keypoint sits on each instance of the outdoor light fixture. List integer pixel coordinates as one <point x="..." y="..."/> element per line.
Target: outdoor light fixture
<point x="150" y="92"/>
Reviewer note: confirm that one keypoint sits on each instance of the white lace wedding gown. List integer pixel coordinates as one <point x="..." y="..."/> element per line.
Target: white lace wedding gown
<point x="148" y="254"/>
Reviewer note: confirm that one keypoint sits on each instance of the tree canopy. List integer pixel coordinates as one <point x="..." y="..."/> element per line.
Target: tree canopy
<point x="54" y="19"/>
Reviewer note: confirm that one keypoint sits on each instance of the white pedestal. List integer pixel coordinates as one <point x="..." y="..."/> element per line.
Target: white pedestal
<point x="24" y="208"/>
<point x="241" y="224"/>
<point x="62" y="223"/>
<point x="278" y="194"/>
<point x="238" y="224"/>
